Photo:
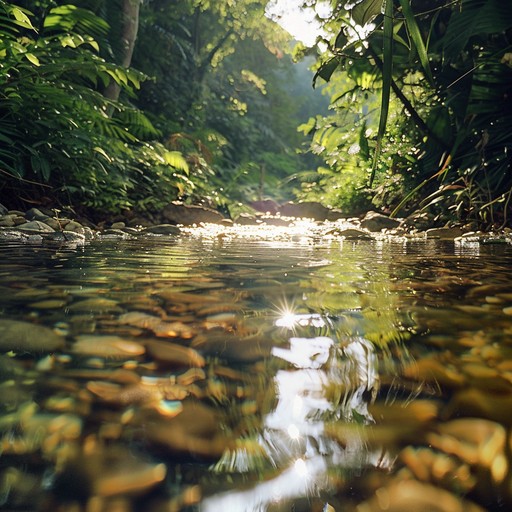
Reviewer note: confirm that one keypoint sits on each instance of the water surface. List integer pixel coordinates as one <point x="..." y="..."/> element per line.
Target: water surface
<point x="272" y="370"/>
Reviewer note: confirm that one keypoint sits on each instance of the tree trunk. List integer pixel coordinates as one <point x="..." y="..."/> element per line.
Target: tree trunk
<point x="130" y="27"/>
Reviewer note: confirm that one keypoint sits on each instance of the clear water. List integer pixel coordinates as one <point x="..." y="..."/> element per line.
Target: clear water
<point x="317" y="374"/>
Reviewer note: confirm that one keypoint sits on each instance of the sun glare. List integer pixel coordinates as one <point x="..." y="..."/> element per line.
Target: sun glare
<point x="300" y="23"/>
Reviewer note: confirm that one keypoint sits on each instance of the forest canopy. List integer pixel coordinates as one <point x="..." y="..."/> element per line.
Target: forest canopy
<point x="123" y="104"/>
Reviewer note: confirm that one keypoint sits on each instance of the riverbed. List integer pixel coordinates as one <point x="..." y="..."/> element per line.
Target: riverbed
<point x="256" y="369"/>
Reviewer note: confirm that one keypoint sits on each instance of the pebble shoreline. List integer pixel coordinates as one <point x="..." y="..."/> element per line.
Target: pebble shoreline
<point x="45" y="226"/>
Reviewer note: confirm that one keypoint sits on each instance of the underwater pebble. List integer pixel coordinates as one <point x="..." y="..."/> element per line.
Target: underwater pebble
<point x="22" y="337"/>
<point x="106" y="346"/>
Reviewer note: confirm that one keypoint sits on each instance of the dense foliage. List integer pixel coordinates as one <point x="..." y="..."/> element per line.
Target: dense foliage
<point x="425" y="88"/>
<point x="188" y="118"/>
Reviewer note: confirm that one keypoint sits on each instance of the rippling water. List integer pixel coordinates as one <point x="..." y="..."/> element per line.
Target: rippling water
<point x="252" y="371"/>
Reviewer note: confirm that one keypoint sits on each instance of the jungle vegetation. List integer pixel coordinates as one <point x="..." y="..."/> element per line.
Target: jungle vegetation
<point x="130" y="104"/>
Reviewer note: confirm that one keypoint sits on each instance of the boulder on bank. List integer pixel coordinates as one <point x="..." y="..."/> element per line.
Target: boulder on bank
<point x="374" y="221"/>
<point x="309" y="210"/>
<point x="188" y="215"/>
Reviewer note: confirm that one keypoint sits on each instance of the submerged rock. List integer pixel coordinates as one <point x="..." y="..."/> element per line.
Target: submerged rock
<point x="21" y="336"/>
<point x="418" y="497"/>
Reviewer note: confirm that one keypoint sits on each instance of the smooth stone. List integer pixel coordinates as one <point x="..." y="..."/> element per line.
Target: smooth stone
<point x="106" y="472"/>
<point x="116" y="234"/>
<point x="21" y="336"/>
<point x="95" y="305"/>
<point x="444" y="233"/>
<point x="35" y="214"/>
<point x="352" y="234"/>
<point x="162" y="229"/>
<point x="411" y="495"/>
<point x="374" y="221"/>
<point x="246" y="219"/>
<point x="118" y="225"/>
<point x="473" y="440"/>
<point x="174" y="354"/>
<point x="65" y="237"/>
<point x="232" y="347"/>
<point x="75" y="227"/>
<point x="35" y="226"/>
<point x="482" y="404"/>
<point x="265" y="206"/>
<point x="197" y="431"/>
<point x="158" y="326"/>
<point x="309" y="210"/>
<point x="113" y="347"/>
<point x="7" y="222"/>
<point x="188" y="215"/>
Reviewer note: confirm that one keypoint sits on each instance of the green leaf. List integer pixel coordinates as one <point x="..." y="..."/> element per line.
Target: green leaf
<point x="326" y="70"/>
<point x="414" y="31"/>
<point x="32" y="58"/>
<point x="21" y="18"/>
<point x="365" y="11"/>
<point x="176" y="160"/>
<point x="387" y="75"/>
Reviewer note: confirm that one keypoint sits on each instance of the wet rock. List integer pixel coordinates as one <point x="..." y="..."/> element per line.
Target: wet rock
<point x="118" y="225"/>
<point x="475" y="441"/>
<point x="420" y="221"/>
<point x="275" y="221"/>
<point x="246" y="219"/>
<point x="66" y="237"/>
<point x="95" y="306"/>
<point x="431" y="370"/>
<point x="23" y="337"/>
<point x="444" y="233"/>
<point x="7" y="221"/>
<point x="309" y="210"/>
<point x="438" y="468"/>
<point x="107" y="471"/>
<point x="75" y="227"/>
<point x="141" y="393"/>
<point x="181" y="214"/>
<point x="162" y="229"/>
<point x="374" y="221"/>
<point x="415" y="496"/>
<point x="35" y="226"/>
<point x="174" y="354"/>
<point x="114" y="234"/>
<point x="265" y="206"/>
<point x="113" y="347"/>
<point x="157" y="325"/>
<point x="482" y="404"/>
<point x="198" y="431"/>
<point x="233" y="347"/>
<point x="352" y="234"/>
<point x="35" y="214"/>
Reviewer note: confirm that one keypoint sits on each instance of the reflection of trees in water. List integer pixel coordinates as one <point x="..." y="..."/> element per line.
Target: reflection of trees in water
<point x="329" y="378"/>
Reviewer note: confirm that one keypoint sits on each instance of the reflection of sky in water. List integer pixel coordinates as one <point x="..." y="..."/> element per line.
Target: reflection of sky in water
<point x="293" y="433"/>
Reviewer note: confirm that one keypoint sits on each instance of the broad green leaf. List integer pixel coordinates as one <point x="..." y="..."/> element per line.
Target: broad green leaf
<point x="365" y="11"/>
<point x="21" y="18"/>
<point x="176" y="160"/>
<point x="414" y="31"/>
<point x="326" y="70"/>
<point x="32" y="58"/>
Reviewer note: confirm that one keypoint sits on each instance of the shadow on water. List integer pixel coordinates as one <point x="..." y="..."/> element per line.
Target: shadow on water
<point x="256" y="373"/>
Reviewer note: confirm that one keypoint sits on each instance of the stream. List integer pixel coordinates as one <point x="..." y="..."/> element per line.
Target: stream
<point x="256" y="369"/>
